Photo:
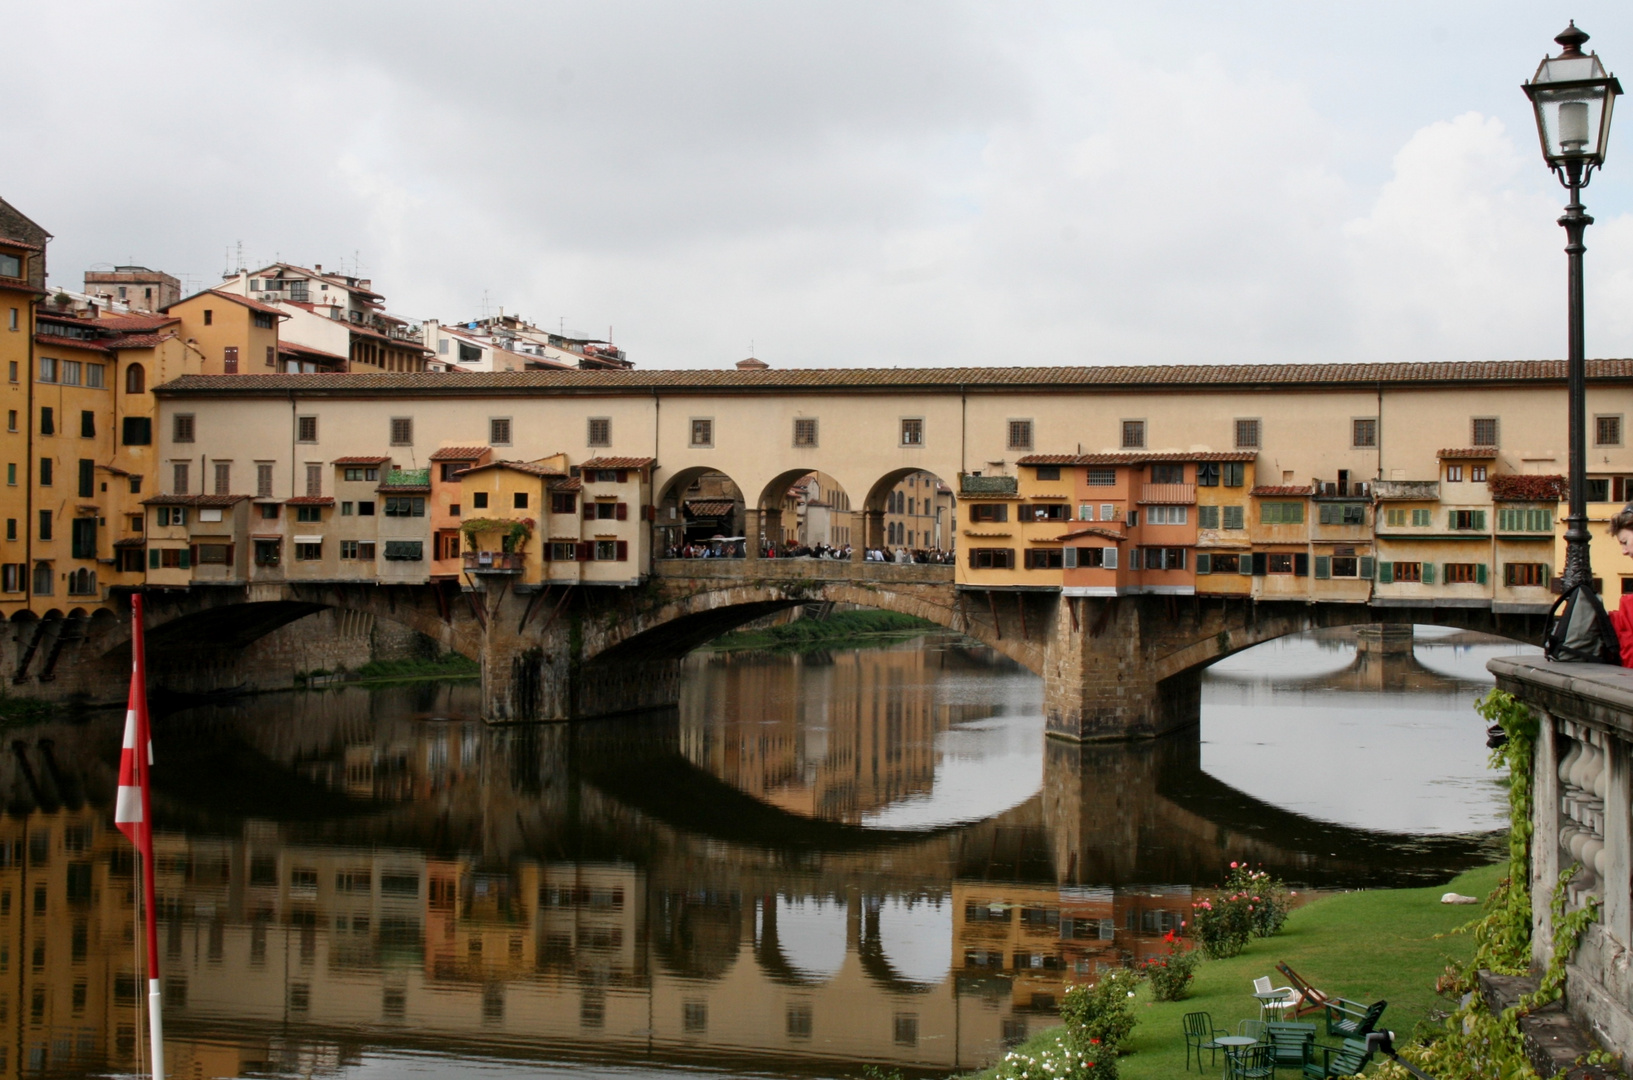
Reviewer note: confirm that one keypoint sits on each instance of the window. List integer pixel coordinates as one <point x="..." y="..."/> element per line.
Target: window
<point x="1454" y="474"/>
<point x="11" y="266"/>
<point x="402" y="431"/>
<point x="499" y="430"/>
<point x="1133" y="434"/>
<point x="262" y="320"/>
<point x="1219" y="563"/>
<point x="1020" y="435"/>
<point x="314" y="478"/>
<point x="1341" y="513"/>
<point x="136" y="485"/>
<point x="45" y="471"/>
<point x="181" y="428"/>
<point x="135" y="380"/>
<point x="452" y="469"/>
<point x="479" y="499"/>
<point x="229" y="359"/>
<point x="136" y="431"/>
<point x="1466" y="519"/>
<point x="1278" y="562"/>
<point x="178" y="478"/>
<point x="702" y="431"/>
<point x="1525" y="520"/>
<point x="48" y="420"/>
<point x="309" y="513"/>
<point x="1484" y="431"/>
<point x="405" y="551"/>
<point x="94" y="375"/>
<point x="44" y="580"/>
<point x="1521" y="573"/>
<point x="271" y="356"/>
<point x="355" y="475"/>
<point x="1234" y="473"/>
<point x="1364" y="432"/>
<point x="68" y="375"/>
<point x="1207" y="517"/>
<point x="45" y="524"/>
<point x="1108" y="512"/>
<point x="599" y="431"/>
<point x="306" y="429"/>
<point x="1100" y="476"/>
<point x="348" y="508"/>
<point x="1597" y="489"/>
<point x="1167" y="474"/>
<point x="1607" y="431"/>
<point x="87" y="478"/>
<point x="560" y="552"/>
<point x="223" y="478"/>
<point x="1166" y="515"/>
<point x="87" y="424"/>
<point x="1345" y="566"/>
<point x="607" y="550"/>
<point x="563" y="502"/>
<point x="263" y="479"/>
<point x="216" y="554"/>
<point x="11" y="420"/>
<point x="1207" y="474"/>
<point x="1477" y="473"/>
<point x="82" y="538"/>
<point x="11" y="474"/>
<point x="989" y="512"/>
<point x="1247" y="434"/>
<point x="365" y="508"/>
<point x="1044" y="559"/>
<point x="1281" y="513"/>
<point x="518" y="500"/>
<point x="606" y="511"/>
<point x="48" y="369"/>
<point x="992" y="558"/>
<point x="1045" y="512"/>
<point x="11" y="529"/>
<point x="1159" y="558"/>
<point x="136" y="523"/>
<point x="11" y="577"/>
<point x="1402" y="571"/>
<point x="269" y="511"/>
<point x="1463" y="573"/>
<point x="309" y="552"/>
<point x="405" y="506"/>
<point x="209" y="317"/>
<point x="805" y="431"/>
<point x="913" y="431"/>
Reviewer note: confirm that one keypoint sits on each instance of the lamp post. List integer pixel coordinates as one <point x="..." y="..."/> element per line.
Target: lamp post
<point x="1572" y="96"/>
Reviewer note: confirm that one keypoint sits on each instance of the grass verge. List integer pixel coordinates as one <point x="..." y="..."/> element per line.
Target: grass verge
<point x="1377" y="943"/>
<point x="447" y="666"/>
<point x="861" y="627"/>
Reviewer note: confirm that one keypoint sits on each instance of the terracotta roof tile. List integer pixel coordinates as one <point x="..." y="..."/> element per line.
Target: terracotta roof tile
<point x="1131" y="377"/>
<point x="137" y="341"/>
<point x="708" y="507"/>
<point x="459" y="453"/>
<point x="10" y="242"/>
<point x="131" y="542"/>
<point x="618" y="463"/>
<point x="1527" y="488"/>
<point x="194" y="500"/>
<point x="310" y="500"/>
<point x="360" y="461"/>
<point x="1469" y="453"/>
<point x="570" y="484"/>
<point x="293" y="349"/>
<point x="515" y="466"/>
<point x="1138" y="457"/>
<point x="1093" y="530"/>
<point x="136" y="324"/>
<point x="253" y="305"/>
<point x="1283" y="490"/>
<point x="53" y="341"/>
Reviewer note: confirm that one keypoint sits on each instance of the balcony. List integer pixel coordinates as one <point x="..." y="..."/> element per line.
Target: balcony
<point x="493" y="562"/>
<point x="1167" y="494"/>
<point x="1407" y="490"/>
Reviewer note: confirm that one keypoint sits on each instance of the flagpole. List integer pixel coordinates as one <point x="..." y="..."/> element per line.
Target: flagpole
<point x="144" y="763"/>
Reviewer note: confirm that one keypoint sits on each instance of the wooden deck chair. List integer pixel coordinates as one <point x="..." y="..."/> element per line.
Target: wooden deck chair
<point x="1310" y="1000"/>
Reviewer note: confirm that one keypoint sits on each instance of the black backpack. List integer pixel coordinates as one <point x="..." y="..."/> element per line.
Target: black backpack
<point x="1579" y="631"/>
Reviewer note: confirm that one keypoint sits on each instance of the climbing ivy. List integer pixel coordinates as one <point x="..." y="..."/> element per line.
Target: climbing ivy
<point x="517" y="530"/>
<point x="1474" y="1043"/>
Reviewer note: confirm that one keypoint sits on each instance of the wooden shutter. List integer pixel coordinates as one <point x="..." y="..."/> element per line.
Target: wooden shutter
<point x="1244" y="565"/>
<point x="622" y="513"/>
<point x="623" y="548"/>
<point x="152" y="558"/>
<point x="586" y="551"/>
<point x="1204" y="562"/>
<point x="546" y="550"/>
<point x="1109" y="559"/>
<point x="623" y="475"/>
<point x="1068" y="558"/>
<point x="589" y="510"/>
<point x="1480" y="573"/>
<point x="186" y="560"/>
<point x="1259" y="564"/>
<point x="1479" y="520"/>
<point x="1366" y="567"/>
<point x="1323" y="565"/>
<point x="1301" y="565"/>
<point x="1428" y="573"/>
<point x="1386" y="573"/>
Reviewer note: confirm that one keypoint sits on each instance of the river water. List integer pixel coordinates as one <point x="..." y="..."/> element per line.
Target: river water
<point x="822" y="861"/>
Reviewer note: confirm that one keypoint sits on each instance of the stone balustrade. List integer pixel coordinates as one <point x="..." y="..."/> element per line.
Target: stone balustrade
<point x="1582" y="816"/>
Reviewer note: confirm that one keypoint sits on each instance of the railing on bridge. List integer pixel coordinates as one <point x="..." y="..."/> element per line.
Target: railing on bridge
<point x="493" y="562"/>
<point x="805" y="570"/>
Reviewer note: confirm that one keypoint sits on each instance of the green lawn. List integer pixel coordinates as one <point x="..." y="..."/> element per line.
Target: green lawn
<point x="1360" y="945"/>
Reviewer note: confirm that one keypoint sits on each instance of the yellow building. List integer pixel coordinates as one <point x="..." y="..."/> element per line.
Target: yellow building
<point x="1224" y="553"/>
<point x="22" y="284"/>
<point x="233" y="334"/>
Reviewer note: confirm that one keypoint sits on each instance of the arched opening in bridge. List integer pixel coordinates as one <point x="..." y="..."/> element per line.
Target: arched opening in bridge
<point x="804" y="512"/>
<point x="912" y="510"/>
<point x="697" y="505"/>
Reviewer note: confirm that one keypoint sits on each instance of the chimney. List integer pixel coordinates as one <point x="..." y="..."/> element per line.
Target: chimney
<point x="318" y="267"/>
<point x="752" y="364"/>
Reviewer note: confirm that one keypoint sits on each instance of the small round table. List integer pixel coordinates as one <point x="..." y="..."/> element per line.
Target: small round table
<point x="1271" y="998"/>
<point x="1227" y="1043"/>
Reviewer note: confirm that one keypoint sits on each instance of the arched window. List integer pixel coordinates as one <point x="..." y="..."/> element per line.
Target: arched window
<point x="135" y="379"/>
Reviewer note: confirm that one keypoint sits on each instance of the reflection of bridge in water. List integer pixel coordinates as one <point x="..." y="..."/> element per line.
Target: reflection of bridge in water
<point x="359" y="870"/>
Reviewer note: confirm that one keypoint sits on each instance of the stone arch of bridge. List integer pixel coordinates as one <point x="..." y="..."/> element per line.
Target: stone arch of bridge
<point x="831" y="494"/>
<point x="877" y="504"/>
<point x="673" y="628"/>
<point x="670" y="525"/>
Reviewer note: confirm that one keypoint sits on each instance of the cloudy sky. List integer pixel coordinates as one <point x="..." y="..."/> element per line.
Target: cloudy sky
<point x="847" y="183"/>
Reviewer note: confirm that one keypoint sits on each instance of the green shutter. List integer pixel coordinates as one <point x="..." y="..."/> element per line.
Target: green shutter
<point x="1301" y="565"/>
<point x="1428" y="573"/>
<point x="1204" y="562"/>
<point x="1480" y="520"/>
<point x="1386" y="573"/>
<point x="1480" y="573"/>
<point x="152" y="558"/>
<point x="1366" y="568"/>
<point x="1323" y="563"/>
<point x="186" y="558"/>
<point x="1244" y="564"/>
<point x="1295" y="514"/>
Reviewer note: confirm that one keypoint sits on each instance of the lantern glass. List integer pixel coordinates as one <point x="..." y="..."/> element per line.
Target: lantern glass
<point x="1573" y="96"/>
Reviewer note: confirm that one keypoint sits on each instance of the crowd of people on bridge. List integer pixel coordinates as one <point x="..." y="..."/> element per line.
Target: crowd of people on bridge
<point x="733" y="548"/>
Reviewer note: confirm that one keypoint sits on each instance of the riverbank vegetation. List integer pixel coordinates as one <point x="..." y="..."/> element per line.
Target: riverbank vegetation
<point x="861" y="628"/>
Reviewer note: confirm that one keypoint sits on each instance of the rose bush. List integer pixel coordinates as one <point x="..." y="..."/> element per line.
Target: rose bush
<point x="1101" y="1013"/>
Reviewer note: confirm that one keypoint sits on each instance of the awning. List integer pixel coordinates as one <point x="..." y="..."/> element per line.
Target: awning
<point x="308" y="539"/>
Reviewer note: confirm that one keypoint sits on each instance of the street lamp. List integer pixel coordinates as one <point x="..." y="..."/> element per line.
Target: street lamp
<point x="1572" y="96"/>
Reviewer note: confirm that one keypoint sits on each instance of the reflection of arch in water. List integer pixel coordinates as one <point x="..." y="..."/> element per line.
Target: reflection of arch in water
<point x="802" y="942"/>
<point x="697" y="935"/>
<point x="893" y="960"/>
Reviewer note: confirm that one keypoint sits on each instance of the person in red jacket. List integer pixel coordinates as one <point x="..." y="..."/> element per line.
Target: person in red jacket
<point x="1621" y="527"/>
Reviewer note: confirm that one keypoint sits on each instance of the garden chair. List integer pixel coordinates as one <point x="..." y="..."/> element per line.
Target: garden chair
<point x="1311" y="1000"/>
<point x="1291" y="1045"/>
<point x="1331" y="1061"/>
<point x="1277" y="1006"/>
<point x="1250" y="1063"/>
<point x="1351" y="1019"/>
<point x="1200" y="1035"/>
<point x="1252" y="1029"/>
